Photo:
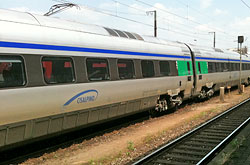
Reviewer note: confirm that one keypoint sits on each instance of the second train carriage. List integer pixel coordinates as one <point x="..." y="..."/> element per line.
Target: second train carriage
<point x="57" y="75"/>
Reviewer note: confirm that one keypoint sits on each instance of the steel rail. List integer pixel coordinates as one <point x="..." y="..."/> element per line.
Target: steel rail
<point x="174" y="142"/>
<point x="212" y="153"/>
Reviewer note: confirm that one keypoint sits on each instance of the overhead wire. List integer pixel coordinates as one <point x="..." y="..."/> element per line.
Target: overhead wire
<point x="163" y="18"/>
<point x="172" y="22"/>
<point x="245" y="4"/>
<point x="149" y="25"/>
<point x="139" y="22"/>
<point x="182" y="17"/>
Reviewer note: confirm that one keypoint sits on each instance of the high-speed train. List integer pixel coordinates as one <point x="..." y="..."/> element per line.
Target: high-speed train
<point x="56" y="75"/>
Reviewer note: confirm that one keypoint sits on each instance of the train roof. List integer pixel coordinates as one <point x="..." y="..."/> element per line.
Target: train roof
<point x="39" y="20"/>
<point x="34" y="19"/>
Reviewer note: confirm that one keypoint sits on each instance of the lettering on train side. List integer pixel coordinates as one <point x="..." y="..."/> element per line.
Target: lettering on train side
<point x="83" y="97"/>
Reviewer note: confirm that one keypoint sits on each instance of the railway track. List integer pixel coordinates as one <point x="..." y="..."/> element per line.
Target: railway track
<point x="201" y="145"/>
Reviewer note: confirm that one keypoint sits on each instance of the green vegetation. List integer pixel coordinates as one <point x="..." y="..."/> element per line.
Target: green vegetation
<point x="130" y="146"/>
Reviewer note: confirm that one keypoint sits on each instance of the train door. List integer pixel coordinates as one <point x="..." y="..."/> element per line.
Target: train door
<point x="192" y="84"/>
<point x="230" y="69"/>
<point x="185" y="70"/>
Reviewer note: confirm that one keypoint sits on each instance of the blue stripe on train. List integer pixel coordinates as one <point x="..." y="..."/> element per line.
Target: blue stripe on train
<point x="81" y="49"/>
<point x="95" y="50"/>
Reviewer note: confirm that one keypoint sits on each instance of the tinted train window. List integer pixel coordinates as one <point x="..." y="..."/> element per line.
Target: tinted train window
<point x="227" y="67"/>
<point x="11" y="72"/>
<point x="237" y="66"/>
<point x="97" y="69"/>
<point x="244" y="66"/>
<point x="232" y="68"/>
<point x="222" y="67"/>
<point x="147" y="68"/>
<point x="217" y="67"/>
<point x="188" y="67"/>
<point x="58" y="70"/>
<point x="211" y="67"/>
<point x="164" y="68"/>
<point x="126" y="69"/>
<point x="199" y="67"/>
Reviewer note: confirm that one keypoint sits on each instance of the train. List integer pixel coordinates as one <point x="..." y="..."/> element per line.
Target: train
<point x="57" y="76"/>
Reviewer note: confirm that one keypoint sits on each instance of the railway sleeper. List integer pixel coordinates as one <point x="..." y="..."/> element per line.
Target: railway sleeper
<point x="214" y="134"/>
<point x="194" y="148"/>
<point x="218" y="130"/>
<point x="182" y="158"/>
<point x="194" y="143"/>
<point x="205" y="140"/>
<point x="212" y="137"/>
<point x="224" y="126"/>
<point x="188" y="152"/>
<point x="231" y="123"/>
<point x="163" y="161"/>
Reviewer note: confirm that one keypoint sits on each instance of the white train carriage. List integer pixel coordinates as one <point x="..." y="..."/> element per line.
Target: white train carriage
<point x="57" y="75"/>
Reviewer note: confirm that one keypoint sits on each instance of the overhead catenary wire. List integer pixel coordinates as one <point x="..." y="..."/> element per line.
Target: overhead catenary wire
<point x="178" y="31"/>
<point x="172" y="22"/>
<point x="140" y="10"/>
<point x="245" y="4"/>
<point x="182" y="17"/>
<point x="135" y="21"/>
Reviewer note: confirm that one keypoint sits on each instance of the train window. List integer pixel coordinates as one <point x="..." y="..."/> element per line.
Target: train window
<point x="199" y="67"/>
<point x="121" y="34"/>
<point x="12" y="72"/>
<point x="244" y="66"/>
<point x="237" y="66"/>
<point x="188" y="66"/>
<point x="227" y="67"/>
<point x="126" y="69"/>
<point x="164" y="68"/>
<point x="147" y="68"/>
<point x="222" y="67"/>
<point x="130" y="35"/>
<point x="232" y="67"/>
<point x="217" y="67"/>
<point x="211" y="67"/>
<point x="97" y="69"/>
<point x="58" y="70"/>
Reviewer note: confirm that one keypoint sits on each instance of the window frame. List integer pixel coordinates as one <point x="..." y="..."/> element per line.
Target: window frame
<point x="211" y="67"/>
<point x="169" y="69"/>
<point x="24" y="71"/>
<point x="133" y="69"/>
<point x="59" y="57"/>
<point x="108" y="68"/>
<point x="150" y="61"/>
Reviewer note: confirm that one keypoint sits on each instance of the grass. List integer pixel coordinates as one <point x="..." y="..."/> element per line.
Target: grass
<point x="148" y="138"/>
<point x="130" y="146"/>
